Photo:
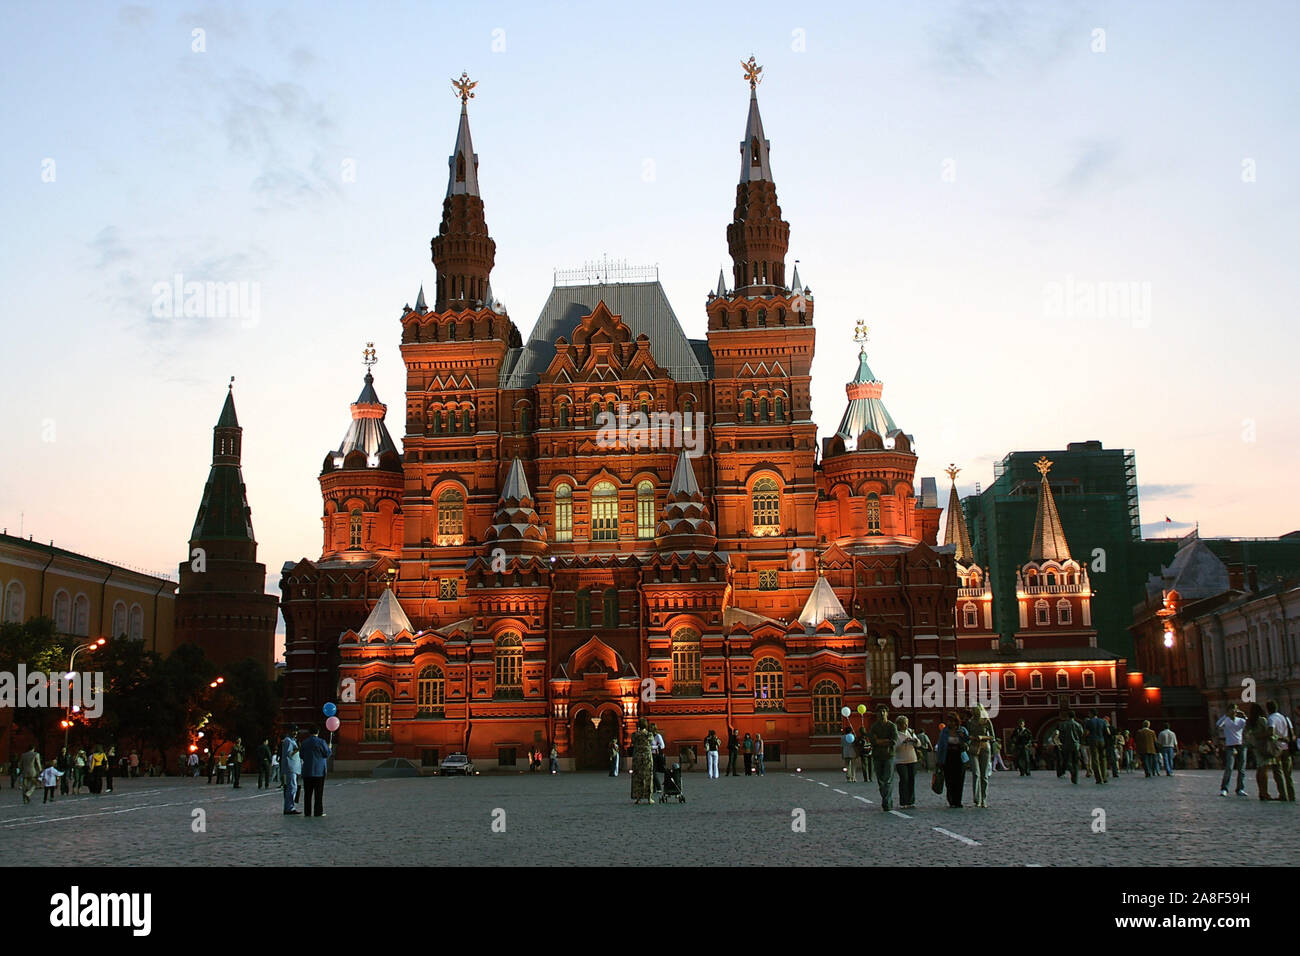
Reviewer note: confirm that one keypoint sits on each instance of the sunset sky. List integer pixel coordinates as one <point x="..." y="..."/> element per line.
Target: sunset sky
<point x="963" y="177"/>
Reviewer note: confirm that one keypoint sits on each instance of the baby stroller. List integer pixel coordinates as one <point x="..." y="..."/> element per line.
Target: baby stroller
<point x="673" y="785"/>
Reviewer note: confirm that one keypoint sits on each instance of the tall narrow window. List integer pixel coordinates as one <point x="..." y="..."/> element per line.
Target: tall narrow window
<point x="604" y="512"/>
<point x="873" y="513"/>
<point x="1063" y="611"/>
<point x="430" y="691"/>
<point x="1042" y="614"/>
<point x="523" y="419"/>
<point x="377" y="718"/>
<point x="688" y="417"/>
<point x="564" y="416"/>
<point x="563" y="513"/>
<point x="81" y="615"/>
<point x="1062" y="680"/>
<point x="464" y="422"/>
<point x="1036" y="680"/>
<point x="686" y="662"/>
<point x="762" y="409"/>
<point x="769" y="685"/>
<point x="435" y="419"/>
<point x="135" y="630"/>
<point x="509" y="666"/>
<point x="766" y="502"/>
<point x="451" y="517"/>
<point x="645" y="510"/>
<point x="749" y="409"/>
<point x="611" y="607"/>
<point x="15" y="597"/>
<point x="969" y="615"/>
<point x="354" y="529"/>
<point x="780" y="408"/>
<point x="119" y="620"/>
<point x="595" y="414"/>
<point x="62" y="612"/>
<point x="582" y="608"/>
<point x="826" y="708"/>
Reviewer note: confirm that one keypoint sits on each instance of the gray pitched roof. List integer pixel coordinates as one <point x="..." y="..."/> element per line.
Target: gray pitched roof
<point x="644" y="308"/>
<point x="755" y="163"/>
<point x="466" y="184"/>
<point x="683" y="477"/>
<point x="1196" y="572"/>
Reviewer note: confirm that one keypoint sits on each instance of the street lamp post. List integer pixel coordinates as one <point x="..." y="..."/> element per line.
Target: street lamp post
<point x="67" y="715"/>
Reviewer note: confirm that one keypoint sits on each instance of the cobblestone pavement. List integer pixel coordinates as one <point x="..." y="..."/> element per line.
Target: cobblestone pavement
<point x="589" y="819"/>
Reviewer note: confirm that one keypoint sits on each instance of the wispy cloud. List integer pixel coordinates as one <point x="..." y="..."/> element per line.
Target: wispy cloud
<point x="1166" y="491"/>
<point x="1094" y="163"/>
<point x="988" y="39"/>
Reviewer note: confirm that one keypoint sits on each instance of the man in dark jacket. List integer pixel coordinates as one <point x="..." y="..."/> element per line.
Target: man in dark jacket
<point x="1021" y="741"/>
<point x="733" y="750"/>
<point x="264" y="764"/>
<point x="236" y="761"/>
<point x="315" y="760"/>
<point x="1071" y="735"/>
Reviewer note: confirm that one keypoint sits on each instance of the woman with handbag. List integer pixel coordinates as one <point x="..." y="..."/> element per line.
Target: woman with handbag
<point x="951" y="751"/>
<point x="1267" y="748"/>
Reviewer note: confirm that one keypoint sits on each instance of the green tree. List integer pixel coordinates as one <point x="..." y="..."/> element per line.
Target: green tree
<point x="39" y="648"/>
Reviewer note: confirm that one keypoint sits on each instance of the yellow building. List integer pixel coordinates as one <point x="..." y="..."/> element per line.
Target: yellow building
<point x="86" y="597"/>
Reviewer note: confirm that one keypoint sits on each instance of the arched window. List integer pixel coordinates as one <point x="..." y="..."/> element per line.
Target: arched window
<point x="1051" y="579"/>
<point x="1062" y="679"/>
<point x="1089" y="679"/>
<point x="1036" y="680"/>
<point x="119" y="619"/>
<point x="377" y="716"/>
<point x="564" y="513"/>
<point x="1063" y="611"/>
<point x="826" y="708"/>
<point x="1042" y="613"/>
<point x="766" y="501"/>
<point x="582" y="608"/>
<point x="435" y="421"/>
<point x="509" y="666"/>
<point x="431" y="690"/>
<point x="873" y="513"/>
<point x="595" y="413"/>
<point x="451" y="517"/>
<point x="354" y="529"/>
<point x="1009" y="681"/>
<point x="136" y="627"/>
<point x="81" y="615"/>
<point x="563" y="416"/>
<point x="523" y="418"/>
<point x="62" y="612"/>
<point x="15" y="598"/>
<point x="464" y="420"/>
<point x="970" y="616"/>
<point x="686" y="662"/>
<point x="780" y="408"/>
<point x="749" y="409"/>
<point x="880" y="664"/>
<point x="645" y="510"/>
<point x="769" y="685"/>
<point x="688" y="417"/>
<point x="604" y="512"/>
<point x="611" y="607"/>
<point x="762" y="409"/>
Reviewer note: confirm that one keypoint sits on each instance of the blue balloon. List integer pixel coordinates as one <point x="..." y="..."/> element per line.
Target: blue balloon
<point x="330" y="709"/>
<point x="848" y="738"/>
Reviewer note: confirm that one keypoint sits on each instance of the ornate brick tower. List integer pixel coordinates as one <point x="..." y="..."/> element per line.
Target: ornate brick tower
<point x="463" y="251"/>
<point x="222" y="604"/>
<point x="974" y="611"/>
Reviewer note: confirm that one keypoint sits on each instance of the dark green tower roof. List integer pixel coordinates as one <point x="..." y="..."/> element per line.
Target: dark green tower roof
<point x="224" y="513"/>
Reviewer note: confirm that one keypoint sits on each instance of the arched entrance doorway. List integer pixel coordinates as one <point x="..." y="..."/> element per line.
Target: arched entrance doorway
<point x="591" y="740"/>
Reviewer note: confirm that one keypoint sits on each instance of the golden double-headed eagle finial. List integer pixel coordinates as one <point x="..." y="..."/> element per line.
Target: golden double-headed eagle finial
<point x="952" y="471"/>
<point x="464" y="88"/>
<point x="860" y="332"/>
<point x="752" y="71"/>
<point x="369" y="357"/>
<point x="1043" y="466"/>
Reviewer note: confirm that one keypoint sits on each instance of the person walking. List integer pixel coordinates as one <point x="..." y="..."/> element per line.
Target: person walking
<point x="290" y="765"/>
<point x="952" y="756"/>
<point x="110" y="764"/>
<point x="613" y="758"/>
<point x="1146" y="749"/>
<point x="1285" y="731"/>
<point x="1266" y="747"/>
<point x="133" y="764"/>
<point x="1167" y="741"/>
<point x="747" y="747"/>
<point x="236" y="762"/>
<point x="923" y="749"/>
<point x="849" y="755"/>
<point x="1070" y="739"/>
<point x="264" y="764"/>
<point x="1021" y="741"/>
<point x="758" y="755"/>
<point x="643" y="763"/>
<point x="884" y="738"/>
<point x="193" y="764"/>
<point x="1097" y="745"/>
<point x="733" y="750"/>
<point x="555" y="759"/>
<point x="64" y="766"/>
<point x="1231" y="726"/>
<point x="50" y="779"/>
<point x="711" y="746"/>
<point x="905" y="763"/>
<point x="275" y="768"/>
<point x="982" y="737"/>
<point x="29" y="771"/>
<point x="80" y="766"/>
<point x="315" y="754"/>
<point x="95" y="767"/>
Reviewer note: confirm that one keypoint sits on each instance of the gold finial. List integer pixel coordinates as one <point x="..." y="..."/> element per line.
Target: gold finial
<point x="752" y="71"/>
<point x="1043" y="466"/>
<point x="860" y="332"/>
<point x="369" y="358"/>
<point x="464" y="88"/>
<point x="952" y="472"/>
<point x="231" y="386"/>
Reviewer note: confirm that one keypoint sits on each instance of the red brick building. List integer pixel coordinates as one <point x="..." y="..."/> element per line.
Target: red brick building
<point x="611" y="520"/>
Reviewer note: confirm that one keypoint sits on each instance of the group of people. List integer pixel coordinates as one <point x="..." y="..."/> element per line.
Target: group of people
<point x="1270" y="736"/>
<point x="303" y="764"/>
<point x="68" y="773"/>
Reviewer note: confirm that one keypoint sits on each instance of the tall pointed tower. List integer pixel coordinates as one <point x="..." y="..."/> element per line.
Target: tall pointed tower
<point x="462" y="250"/>
<point x="974" y="609"/>
<point x="1052" y="588"/>
<point x="222" y="604"/>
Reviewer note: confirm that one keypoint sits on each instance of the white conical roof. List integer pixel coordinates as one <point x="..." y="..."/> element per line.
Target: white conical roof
<point x="516" y="483"/>
<point x="684" y="482"/>
<point x="387" y="617"/>
<point x="822" y="605"/>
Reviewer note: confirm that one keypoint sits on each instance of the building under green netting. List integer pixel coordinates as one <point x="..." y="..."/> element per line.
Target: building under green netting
<point x="1097" y="497"/>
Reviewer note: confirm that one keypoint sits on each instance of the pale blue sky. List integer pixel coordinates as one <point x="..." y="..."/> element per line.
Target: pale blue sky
<point x="1063" y="165"/>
